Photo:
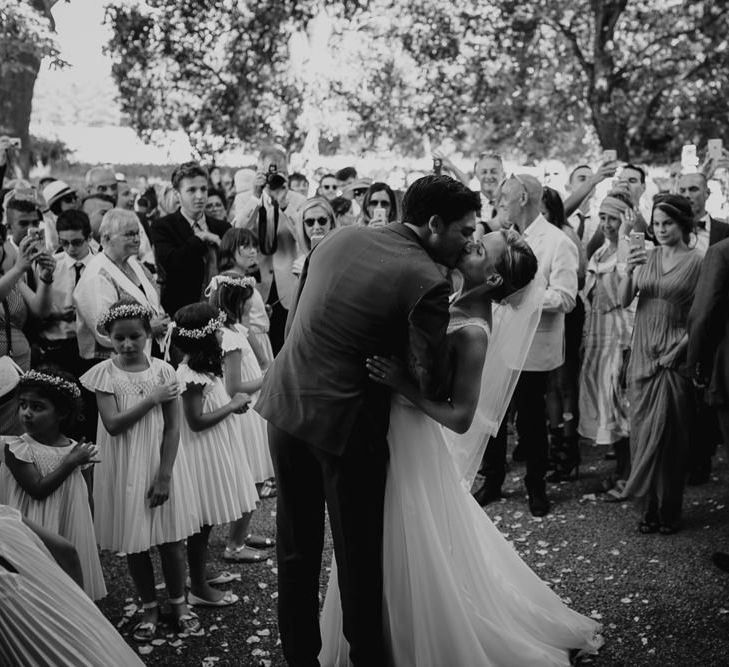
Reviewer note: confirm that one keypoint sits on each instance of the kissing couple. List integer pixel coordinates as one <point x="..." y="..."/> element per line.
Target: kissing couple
<point x="379" y="408"/>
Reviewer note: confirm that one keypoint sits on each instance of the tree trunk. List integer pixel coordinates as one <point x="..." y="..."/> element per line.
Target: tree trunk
<point x="16" y="103"/>
<point x="612" y="133"/>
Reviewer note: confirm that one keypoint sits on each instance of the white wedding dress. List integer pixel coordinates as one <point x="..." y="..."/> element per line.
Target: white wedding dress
<point x="455" y="591"/>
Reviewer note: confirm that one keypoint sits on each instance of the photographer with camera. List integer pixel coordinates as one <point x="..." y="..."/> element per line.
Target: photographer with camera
<point x="271" y="212"/>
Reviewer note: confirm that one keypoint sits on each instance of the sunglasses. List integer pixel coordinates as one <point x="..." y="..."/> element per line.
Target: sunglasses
<point x="328" y="187"/>
<point x="309" y="222"/>
<point x="74" y="243"/>
<point x="69" y="198"/>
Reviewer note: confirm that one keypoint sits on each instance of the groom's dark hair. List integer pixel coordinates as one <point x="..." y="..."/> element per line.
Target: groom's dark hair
<point x="438" y="195"/>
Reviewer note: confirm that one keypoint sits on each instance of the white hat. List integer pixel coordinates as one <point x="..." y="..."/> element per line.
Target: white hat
<point x="55" y="190"/>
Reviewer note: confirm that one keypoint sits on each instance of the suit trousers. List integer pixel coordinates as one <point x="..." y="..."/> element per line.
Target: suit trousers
<point x="277" y="325"/>
<point x="529" y="403"/>
<point x="704" y="437"/>
<point x="353" y="487"/>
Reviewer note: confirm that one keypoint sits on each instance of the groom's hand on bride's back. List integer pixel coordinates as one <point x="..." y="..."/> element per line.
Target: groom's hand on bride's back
<point x="390" y="372"/>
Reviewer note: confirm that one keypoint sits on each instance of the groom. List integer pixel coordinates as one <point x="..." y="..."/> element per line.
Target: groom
<point x="363" y="292"/>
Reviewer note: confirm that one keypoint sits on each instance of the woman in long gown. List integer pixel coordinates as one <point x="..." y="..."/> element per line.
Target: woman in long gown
<point x="603" y="398"/>
<point x="455" y="591"/>
<point x="660" y="391"/>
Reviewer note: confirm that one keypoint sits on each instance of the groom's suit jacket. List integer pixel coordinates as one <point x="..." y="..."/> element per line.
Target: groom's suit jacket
<point x="362" y="292"/>
<point x="708" y="325"/>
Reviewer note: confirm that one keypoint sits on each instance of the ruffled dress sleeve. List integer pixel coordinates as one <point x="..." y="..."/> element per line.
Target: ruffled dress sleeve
<point x="163" y="371"/>
<point x="20" y="448"/>
<point x="231" y="340"/>
<point x="186" y="377"/>
<point x="98" y="378"/>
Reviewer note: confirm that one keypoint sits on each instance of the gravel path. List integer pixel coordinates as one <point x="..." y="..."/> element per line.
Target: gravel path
<point x="660" y="598"/>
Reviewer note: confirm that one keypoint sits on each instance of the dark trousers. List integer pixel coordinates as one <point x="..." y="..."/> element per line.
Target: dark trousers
<point x="531" y="426"/>
<point x="278" y="317"/>
<point x="353" y="487"/>
<point x="722" y="416"/>
<point x="704" y="437"/>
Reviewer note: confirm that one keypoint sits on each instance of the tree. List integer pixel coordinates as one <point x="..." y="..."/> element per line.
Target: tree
<point x="26" y="37"/>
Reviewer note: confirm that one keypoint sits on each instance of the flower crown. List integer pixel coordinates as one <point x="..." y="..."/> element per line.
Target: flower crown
<point x="127" y="311"/>
<point x="238" y="281"/>
<point x="213" y="324"/>
<point x="53" y="381"/>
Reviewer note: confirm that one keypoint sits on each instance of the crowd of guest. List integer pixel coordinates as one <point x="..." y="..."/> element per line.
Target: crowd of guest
<point x="152" y="315"/>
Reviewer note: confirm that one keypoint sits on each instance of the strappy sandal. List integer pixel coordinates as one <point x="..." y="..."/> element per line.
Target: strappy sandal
<point x="188" y="623"/>
<point x="145" y="631"/>
<point x="259" y="541"/>
<point x="268" y="490"/>
<point x="229" y="598"/>
<point x="219" y="579"/>
<point x="244" y="554"/>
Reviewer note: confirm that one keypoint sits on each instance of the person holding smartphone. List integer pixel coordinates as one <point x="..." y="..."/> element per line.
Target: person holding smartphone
<point x="379" y="205"/>
<point x="316" y="221"/>
<point x="661" y="397"/>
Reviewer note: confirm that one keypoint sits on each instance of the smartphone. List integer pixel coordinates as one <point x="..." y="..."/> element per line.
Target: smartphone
<point x="36" y="236"/>
<point x="379" y="217"/>
<point x="689" y="160"/>
<point x="15" y="142"/>
<point x="272" y="169"/>
<point x="637" y="241"/>
<point x="315" y="240"/>
<point x="715" y="149"/>
<point x="437" y="166"/>
<point x="609" y="155"/>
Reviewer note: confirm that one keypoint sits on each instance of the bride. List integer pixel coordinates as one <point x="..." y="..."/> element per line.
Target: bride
<point x="455" y="591"/>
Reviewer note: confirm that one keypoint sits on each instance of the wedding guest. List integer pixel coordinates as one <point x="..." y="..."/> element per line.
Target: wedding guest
<point x="96" y="207"/>
<point x="271" y="212"/>
<point x="299" y="183"/>
<point x="707" y="231"/>
<point x="187" y="241"/>
<point x="114" y="274"/>
<point x="101" y="180"/>
<point x="562" y="384"/>
<point x="317" y="219"/>
<point x="519" y="202"/>
<point x="603" y="401"/>
<point x="708" y="343"/>
<point x="379" y="205"/>
<point x="661" y="394"/>
<point x="216" y="206"/>
<point x="328" y="186"/>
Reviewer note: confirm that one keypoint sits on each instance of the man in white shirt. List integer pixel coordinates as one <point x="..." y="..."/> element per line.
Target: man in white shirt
<point x="271" y="213"/>
<point x="707" y="230"/>
<point x="58" y="340"/>
<point x="518" y="202"/>
<point x="489" y="171"/>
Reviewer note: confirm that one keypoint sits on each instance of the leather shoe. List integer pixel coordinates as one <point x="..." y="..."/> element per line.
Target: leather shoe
<point x="538" y="501"/>
<point x="487" y="494"/>
<point x="721" y="560"/>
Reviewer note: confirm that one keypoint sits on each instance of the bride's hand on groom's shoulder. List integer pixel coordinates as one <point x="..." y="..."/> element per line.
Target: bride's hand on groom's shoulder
<point x="390" y="372"/>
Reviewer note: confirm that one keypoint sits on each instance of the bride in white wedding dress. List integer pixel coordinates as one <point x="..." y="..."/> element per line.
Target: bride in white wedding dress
<point x="456" y="593"/>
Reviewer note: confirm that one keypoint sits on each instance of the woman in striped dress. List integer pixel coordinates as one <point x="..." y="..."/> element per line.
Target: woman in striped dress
<point x="608" y="328"/>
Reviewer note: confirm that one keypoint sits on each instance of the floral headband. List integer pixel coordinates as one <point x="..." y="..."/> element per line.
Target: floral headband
<point x="238" y="281"/>
<point x="127" y="311"/>
<point x="213" y="324"/>
<point x="36" y="377"/>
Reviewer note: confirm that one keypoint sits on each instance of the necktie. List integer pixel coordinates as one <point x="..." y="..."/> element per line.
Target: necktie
<point x="581" y="226"/>
<point x="78" y="267"/>
<point x="701" y="224"/>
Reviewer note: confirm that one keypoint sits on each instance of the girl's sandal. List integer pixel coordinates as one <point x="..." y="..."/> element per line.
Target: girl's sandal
<point x="144" y="631"/>
<point x="188" y="623"/>
<point x="268" y="490"/>
<point x="259" y="541"/>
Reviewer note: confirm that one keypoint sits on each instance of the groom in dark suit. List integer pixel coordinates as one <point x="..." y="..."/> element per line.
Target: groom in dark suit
<point x="708" y="346"/>
<point x="363" y="292"/>
<point x="186" y="242"/>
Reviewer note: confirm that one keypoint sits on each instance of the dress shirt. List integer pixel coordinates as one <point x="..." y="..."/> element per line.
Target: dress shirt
<point x="700" y="235"/>
<point x="200" y="223"/>
<point x="558" y="262"/>
<point x="64" y="282"/>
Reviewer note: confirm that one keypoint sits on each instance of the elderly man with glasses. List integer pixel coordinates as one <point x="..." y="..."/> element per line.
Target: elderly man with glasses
<point x="518" y="203"/>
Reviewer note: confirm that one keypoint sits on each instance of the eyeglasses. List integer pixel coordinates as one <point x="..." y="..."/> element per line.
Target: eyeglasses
<point x="309" y="222"/>
<point x="74" y="243"/>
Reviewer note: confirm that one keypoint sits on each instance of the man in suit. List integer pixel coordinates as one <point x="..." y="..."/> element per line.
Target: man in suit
<point x="186" y="242"/>
<point x="707" y="232"/>
<point x="519" y="203"/>
<point x="708" y="342"/>
<point x="363" y="292"/>
<point x="271" y="212"/>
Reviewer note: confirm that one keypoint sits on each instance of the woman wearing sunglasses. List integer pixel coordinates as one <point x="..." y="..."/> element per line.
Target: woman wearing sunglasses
<point x="317" y="219"/>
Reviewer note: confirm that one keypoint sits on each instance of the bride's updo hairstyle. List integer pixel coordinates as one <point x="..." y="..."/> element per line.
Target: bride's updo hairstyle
<point x="517" y="266"/>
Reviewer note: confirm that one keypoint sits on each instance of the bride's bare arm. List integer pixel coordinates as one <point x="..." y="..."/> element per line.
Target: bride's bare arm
<point x="456" y="414"/>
